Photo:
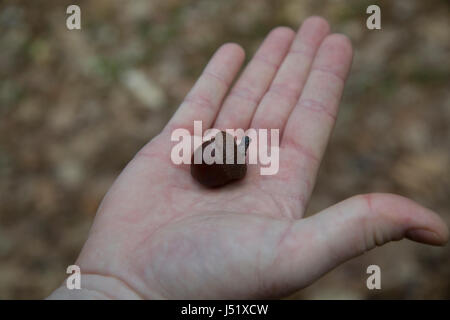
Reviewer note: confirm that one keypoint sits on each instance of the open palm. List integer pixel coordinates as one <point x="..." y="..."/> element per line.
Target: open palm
<point x="159" y="234"/>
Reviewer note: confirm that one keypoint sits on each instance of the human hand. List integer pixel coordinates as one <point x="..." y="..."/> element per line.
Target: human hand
<point x="159" y="234"/>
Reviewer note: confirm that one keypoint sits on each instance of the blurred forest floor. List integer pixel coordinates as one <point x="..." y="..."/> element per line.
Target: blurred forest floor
<point x="75" y="106"/>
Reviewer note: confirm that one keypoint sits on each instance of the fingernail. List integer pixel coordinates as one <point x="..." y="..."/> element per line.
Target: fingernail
<point x="425" y="236"/>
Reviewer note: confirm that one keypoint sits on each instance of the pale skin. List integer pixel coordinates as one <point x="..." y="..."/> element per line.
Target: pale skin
<point x="160" y="235"/>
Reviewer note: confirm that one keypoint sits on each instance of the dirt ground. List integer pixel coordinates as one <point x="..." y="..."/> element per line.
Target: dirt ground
<point x="76" y="105"/>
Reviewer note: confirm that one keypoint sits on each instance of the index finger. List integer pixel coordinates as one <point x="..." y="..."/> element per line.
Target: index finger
<point x="311" y="121"/>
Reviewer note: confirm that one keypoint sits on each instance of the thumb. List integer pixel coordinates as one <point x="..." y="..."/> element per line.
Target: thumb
<point x="360" y="223"/>
<point x="319" y="243"/>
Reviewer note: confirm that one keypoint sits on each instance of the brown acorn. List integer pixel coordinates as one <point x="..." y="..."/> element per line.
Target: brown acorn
<point x="212" y="174"/>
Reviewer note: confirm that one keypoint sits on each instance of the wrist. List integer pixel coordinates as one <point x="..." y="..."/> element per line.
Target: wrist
<point x="95" y="287"/>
